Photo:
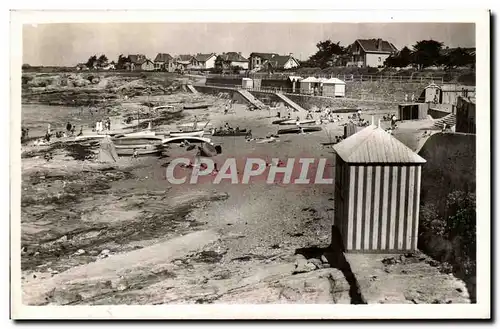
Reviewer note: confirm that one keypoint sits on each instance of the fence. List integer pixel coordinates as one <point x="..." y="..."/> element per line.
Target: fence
<point x="343" y="77"/>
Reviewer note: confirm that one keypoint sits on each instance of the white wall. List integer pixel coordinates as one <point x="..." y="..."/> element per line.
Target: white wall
<point x="210" y="63"/>
<point x="242" y="64"/>
<point x="375" y="60"/>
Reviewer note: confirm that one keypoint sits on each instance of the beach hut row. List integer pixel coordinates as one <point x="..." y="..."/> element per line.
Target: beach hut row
<point x="332" y="87"/>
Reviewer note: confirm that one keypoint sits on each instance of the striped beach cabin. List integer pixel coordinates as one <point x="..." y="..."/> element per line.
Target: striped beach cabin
<point x="377" y="192"/>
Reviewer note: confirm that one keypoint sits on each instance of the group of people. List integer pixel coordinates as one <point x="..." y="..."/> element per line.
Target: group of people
<point x="100" y="127"/>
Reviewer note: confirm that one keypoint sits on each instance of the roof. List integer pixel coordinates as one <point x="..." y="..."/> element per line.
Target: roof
<point x="334" y="81"/>
<point x="185" y="57"/>
<point x="203" y="57"/>
<point x="370" y="45"/>
<point x="280" y="61"/>
<point x="264" y="56"/>
<point x="161" y="57"/>
<point x="233" y="57"/>
<point x="137" y="59"/>
<point x="374" y="145"/>
<point x="142" y="61"/>
<point x="295" y="78"/>
<point x="432" y="85"/>
<point x="310" y="79"/>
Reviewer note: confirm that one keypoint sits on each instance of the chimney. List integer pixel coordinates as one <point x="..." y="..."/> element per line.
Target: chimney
<point x="378" y="123"/>
<point x="290" y="54"/>
<point x="379" y="44"/>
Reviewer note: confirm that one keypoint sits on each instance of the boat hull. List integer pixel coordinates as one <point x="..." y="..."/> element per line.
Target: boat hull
<point x="190" y="139"/>
<point x="198" y="133"/>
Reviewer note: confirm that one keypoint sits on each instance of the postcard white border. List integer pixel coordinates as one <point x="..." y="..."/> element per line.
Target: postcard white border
<point x="273" y="311"/>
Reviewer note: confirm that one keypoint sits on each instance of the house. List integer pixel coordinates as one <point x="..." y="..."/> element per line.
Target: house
<point x="135" y="61"/>
<point x="272" y="61"/>
<point x="279" y="62"/>
<point x="109" y="66"/>
<point x="370" y="52"/>
<point x="257" y="60"/>
<point x="205" y="61"/>
<point x="147" y="65"/>
<point x="164" y="62"/>
<point x="229" y="60"/>
<point x="185" y="62"/>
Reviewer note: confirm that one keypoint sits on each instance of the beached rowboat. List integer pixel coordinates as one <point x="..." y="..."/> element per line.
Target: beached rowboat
<point x="195" y="106"/>
<point x="294" y="122"/>
<point x="196" y="133"/>
<point x="137" y="140"/>
<point x="190" y="139"/>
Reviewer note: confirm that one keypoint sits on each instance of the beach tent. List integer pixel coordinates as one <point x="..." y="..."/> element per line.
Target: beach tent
<point x="107" y="151"/>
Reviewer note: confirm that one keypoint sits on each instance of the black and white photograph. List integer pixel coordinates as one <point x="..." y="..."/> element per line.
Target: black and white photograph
<point x="213" y="163"/>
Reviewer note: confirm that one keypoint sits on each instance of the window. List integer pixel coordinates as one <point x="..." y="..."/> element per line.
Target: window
<point x="380" y="59"/>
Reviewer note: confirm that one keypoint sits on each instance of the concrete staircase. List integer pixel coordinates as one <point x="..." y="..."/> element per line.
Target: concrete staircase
<point x="251" y="99"/>
<point x="291" y="103"/>
<point x="192" y="89"/>
<point x="450" y="120"/>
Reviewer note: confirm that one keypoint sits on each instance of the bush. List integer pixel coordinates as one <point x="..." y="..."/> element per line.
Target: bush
<point x="449" y="235"/>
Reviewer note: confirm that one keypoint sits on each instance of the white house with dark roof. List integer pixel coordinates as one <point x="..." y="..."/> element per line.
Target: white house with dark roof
<point x="205" y="61"/>
<point x="164" y="62"/>
<point x="370" y="52"/>
<point x="231" y="59"/>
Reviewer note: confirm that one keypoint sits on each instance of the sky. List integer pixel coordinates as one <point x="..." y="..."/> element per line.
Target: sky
<point x="71" y="43"/>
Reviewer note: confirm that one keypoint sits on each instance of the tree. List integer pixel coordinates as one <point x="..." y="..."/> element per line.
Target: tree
<point x="91" y="62"/>
<point x="427" y="53"/>
<point x="102" y="60"/>
<point x="458" y="57"/>
<point x="122" y="60"/>
<point x="402" y="59"/>
<point x="328" y="51"/>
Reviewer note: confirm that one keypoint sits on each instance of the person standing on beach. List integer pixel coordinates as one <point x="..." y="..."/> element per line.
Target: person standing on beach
<point x="135" y="154"/>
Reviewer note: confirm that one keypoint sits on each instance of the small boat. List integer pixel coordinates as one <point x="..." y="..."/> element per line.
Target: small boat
<point x="130" y="151"/>
<point x="190" y="139"/>
<point x="293" y="122"/>
<point x="275" y="122"/>
<point x="168" y="109"/>
<point x="191" y="124"/>
<point x="141" y="133"/>
<point x="296" y="130"/>
<point x="311" y="128"/>
<point x="195" y="133"/>
<point x="195" y="106"/>
<point x="138" y="146"/>
<point x="242" y="132"/>
<point x="90" y="137"/>
<point x="137" y="140"/>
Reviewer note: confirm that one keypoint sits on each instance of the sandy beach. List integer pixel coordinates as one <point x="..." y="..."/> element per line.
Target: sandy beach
<point x="120" y="233"/>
